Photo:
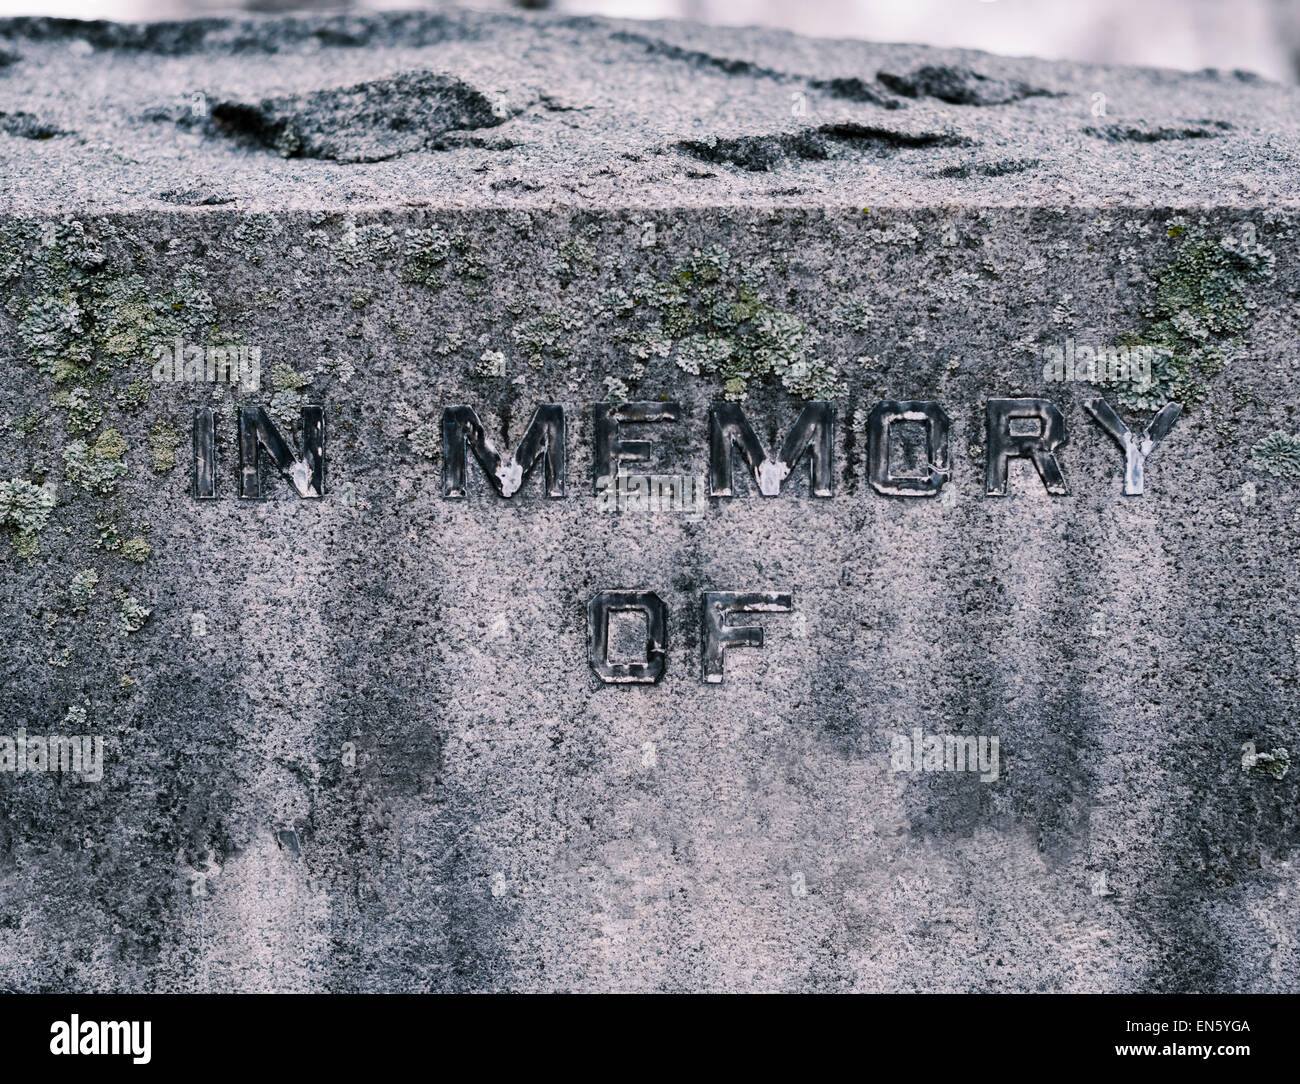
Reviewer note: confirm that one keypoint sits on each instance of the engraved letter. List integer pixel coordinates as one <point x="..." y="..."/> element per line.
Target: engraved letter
<point x="883" y="415"/>
<point x="205" y="454"/>
<point x="543" y="440"/>
<point x="1136" y="449"/>
<point x="641" y="672"/>
<point x="256" y="431"/>
<point x="814" y="432"/>
<point x="1039" y="447"/>
<point x="719" y="636"/>
<point x="611" y="449"/>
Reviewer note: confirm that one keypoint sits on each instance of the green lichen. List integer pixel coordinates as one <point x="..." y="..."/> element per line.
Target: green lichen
<point x="78" y="318"/>
<point x="286" y="400"/>
<point x="364" y="246"/>
<point x="163" y="441"/>
<point x="96" y="467"/>
<point x="25" y="508"/>
<point x="1279" y="454"/>
<point x="425" y="252"/>
<point x="289" y="142"/>
<point x="1201" y="310"/>
<point x="253" y="235"/>
<point x="284" y="378"/>
<point x="428" y="254"/>
<point x="545" y="337"/>
<point x="852" y="314"/>
<point x="32" y="421"/>
<point x="424" y="439"/>
<point x="136" y="549"/>
<point x="574" y="257"/>
<point x="84" y="411"/>
<point x="132" y="614"/>
<point x="135" y="396"/>
<point x="284" y="407"/>
<point x="107" y="536"/>
<point x="716" y="321"/>
<point x="616" y="390"/>
<point x="82" y="588"/>
<point x="1275" y="764"/>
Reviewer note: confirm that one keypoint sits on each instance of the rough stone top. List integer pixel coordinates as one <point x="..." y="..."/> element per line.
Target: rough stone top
<point x="468" y="109"/>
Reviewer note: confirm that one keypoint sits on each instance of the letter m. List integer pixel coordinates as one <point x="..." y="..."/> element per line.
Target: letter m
<point x="813" y="433"/>
<point x="543" y="440"/>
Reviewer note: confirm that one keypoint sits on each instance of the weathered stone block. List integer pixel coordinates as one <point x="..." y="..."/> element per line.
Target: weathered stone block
<point x="371" y="732"/>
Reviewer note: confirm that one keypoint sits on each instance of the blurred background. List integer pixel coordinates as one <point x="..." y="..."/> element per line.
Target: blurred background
<point x="1257" y="35"/>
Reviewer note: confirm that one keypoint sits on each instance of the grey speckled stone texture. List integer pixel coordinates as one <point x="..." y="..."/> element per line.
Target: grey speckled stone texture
<point x="356" y="743"/>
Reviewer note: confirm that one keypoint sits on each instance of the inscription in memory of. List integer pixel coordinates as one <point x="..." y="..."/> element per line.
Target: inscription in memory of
<point x="1032" y="429"/>
<point x="1027" y="428"/>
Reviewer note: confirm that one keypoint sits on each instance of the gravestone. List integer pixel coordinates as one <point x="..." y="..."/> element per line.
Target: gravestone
<point x="502" y="502"/>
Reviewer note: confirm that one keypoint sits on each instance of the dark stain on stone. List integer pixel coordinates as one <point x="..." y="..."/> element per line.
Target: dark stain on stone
<point x="410" y="29"/>
<point x="988" y="169"/>
<point x="887" y="140"/>
<point x="194" y="197"/>
<point x="7" y="59"/>
<point x="369" y="122"/>
<point x="697" y="58"/>
<point x="759" y="153"/>
<point x="959" y="86"/>
<point x="1144" y="133"/>
<point x="26" y="126"/>
<point x="857" y="90"/>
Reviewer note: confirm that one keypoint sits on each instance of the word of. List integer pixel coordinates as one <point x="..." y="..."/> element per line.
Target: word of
<point x="717" y="636"/>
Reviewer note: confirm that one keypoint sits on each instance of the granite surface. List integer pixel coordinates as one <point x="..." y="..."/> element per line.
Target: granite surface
<point x="355" y="742"/>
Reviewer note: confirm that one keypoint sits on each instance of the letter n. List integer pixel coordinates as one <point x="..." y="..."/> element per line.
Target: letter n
<point x="258" y="433"/>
